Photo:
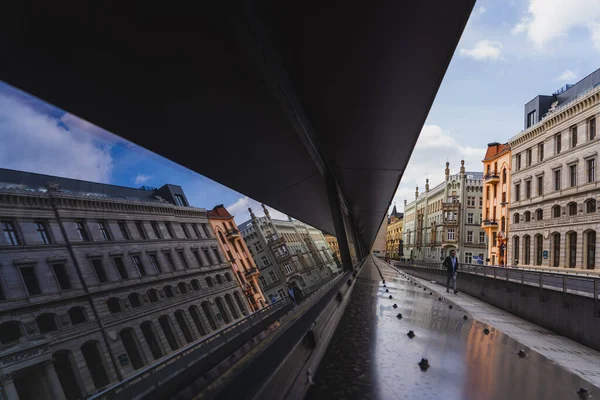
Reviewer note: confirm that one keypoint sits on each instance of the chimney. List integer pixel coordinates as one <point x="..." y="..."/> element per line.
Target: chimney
<point x="447" y="171"/>
<point x="417" y="192"/>
<point x="462" y="168"/>
<point x="427" y="185"/>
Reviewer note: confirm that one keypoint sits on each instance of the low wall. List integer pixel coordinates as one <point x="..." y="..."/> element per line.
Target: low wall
<point x="566" y="314"/>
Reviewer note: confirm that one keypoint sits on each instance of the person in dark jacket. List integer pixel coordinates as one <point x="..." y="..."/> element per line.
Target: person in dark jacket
<point x="451" y="264"/>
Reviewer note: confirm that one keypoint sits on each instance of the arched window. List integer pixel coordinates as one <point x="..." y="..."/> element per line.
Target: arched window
<point x="219" y="279"/>
<point x="77" y="315"/>
<point x="527" y="249"/>
<point x="209" y="281"/>
<point x="504" y="175"/>
<point x="516" y="218"/>
<point x="132" y="347"/>
<point x="165" y="324"/>
<point x="47" y="323"/>
<point x="182" y="287"/>
<point x="221" y="307"/>
<point x="222" y="238"/>
<point x="134" y="300"/>
<point x="195" y="313"/>
<point x="183" y="325"/>
<point x="572" y="208"/>
<point x="153" y="295"/>
<point x="539" y="214"/>
<point x="556" y="249"/>
<point x="168" y="291"/>
<point x="590" y="206"/>
<point x="10" y="331"/>
<point x="527" y="216"/>
<point x="503" y="224"/>
<point x="239" y="302"/>
<point x="556" y="211"/>
<point x="539" y="246"/>
<point x="232" y="308"/>
<point x="516" y="249"/>
<point x="94" y="362"/>
<point x="227" y="276"/>
<point x="195" y="284"/>
<point x="114" y="305"/>
<point x="151" y="338"/>
<point x="209" y="314"/>
<point x="572" y="246"/>
<point x="590" y="249"/>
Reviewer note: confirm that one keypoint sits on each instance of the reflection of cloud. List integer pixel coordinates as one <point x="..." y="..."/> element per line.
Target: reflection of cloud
<point x="239" y="210"/>
<point x="428" y="160"/>
<point x="33" y="141"/>
<point x="548" y="20"/>
<point x="483" y="50"/>
<point x="141" y="179"/>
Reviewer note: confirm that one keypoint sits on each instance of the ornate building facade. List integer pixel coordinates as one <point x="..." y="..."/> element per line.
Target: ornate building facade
<point x="238" y="255"/>
<point x="98" y="281"/>
<point x="555" y="188"/>
<point x="395" y="224"/>
<point x="288" y="253"/>
<point x="334" y="246"/>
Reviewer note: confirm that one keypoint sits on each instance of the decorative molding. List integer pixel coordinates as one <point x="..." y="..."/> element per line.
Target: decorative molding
<point x="572" y="161"/>
<point x="115" y="253"/>
<point x="56" y="259"/>
<point x="25" y="261"/>
<point x="94" y="255"/>
<point x="590" y="154"/>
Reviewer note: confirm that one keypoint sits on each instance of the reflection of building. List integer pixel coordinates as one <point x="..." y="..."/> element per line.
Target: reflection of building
<point x="379" y="245"/>
<point x="98" y="281"/>
<point x="335" y="248"/>
<point x="287" y="252"/>
<point x="395" y="223"/>
<point x="555" y="189"/>
<point x="445" y="218"/>
<point x="234" y="247"/>
<point x="496" y="198"/>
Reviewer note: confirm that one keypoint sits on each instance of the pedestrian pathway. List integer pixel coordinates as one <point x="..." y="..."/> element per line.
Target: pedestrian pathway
<point x="468" y="357"/>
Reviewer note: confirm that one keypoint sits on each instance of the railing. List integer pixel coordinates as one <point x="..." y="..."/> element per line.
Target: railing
<point x="251" y="271"/>
<point x="490" y="222"/>
<point x="232" y="232"/>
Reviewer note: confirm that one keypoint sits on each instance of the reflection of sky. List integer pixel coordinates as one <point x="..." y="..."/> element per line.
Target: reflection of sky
<point x="464" y="362"/>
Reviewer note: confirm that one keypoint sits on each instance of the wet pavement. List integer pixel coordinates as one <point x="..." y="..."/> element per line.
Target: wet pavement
<point x="371" y="356"/>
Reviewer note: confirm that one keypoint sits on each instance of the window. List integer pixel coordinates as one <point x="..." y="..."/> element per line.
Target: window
<point x="527" y="216"/>
<point x="470" y="236"/>
<point x="42" y="229"/>
<point x="77" y="315"/>
<point x="591" y="170"/>
<point x="134" y="300"/>
<point x="529" y="157"/>
<point x="450" y="233"/>
<point x="273" y="276"/>
<point x="557" y="143"/>
<point x="153" y="295"/>
<point x="573" y="136"/>
<point x="539" y="214"/>
<point x="572" y="208"/>
<point x="196" y="231"/>
<point x="503" y="224"/>
<point x="540" y="185"/>
<point x="518" y="161"/>
<point x="468" y="258"/>
<point x="557" y="179"/>
<point x="591" y="249"/>
<point x="556" y="211"/>
<point x="281" y="294"/>
<point x="141" y="231"/>
<point x="169" y="261"/>
<point x="556" y="249"/>
<point x="503" y="197"/>
<point x="99" y="269"/>
<point x="183" y="289"/>
<point x="516" y="249"/>
<point x="541" y="152"/>
<point x="183" y="259"/>
<point x="155" y="264"/>
<point x="120" y="265"/>
<point x="170" y="231"/>
<point x="10" y="233"/>
<point x="114" y="305"/>
<point x="219" y="279"/>
<point x="480" y="202"/>
<point x="83" y="234"/>
<point x="527" y="249"/>
<point x="137" y="261"/>
<point x="265" y="261"/>
<point x="209" y="281"/>
<point x="590" y="206"/>
<point x="156" y="230"/>
<point x="168" y="292"/>
<point x="516" y="218"/>
<point x="592" y="128"/>
<point x="180" y="200"/>
<point x="30" y="280"/>
<point x="518" y="192"/>
<point x="47" y="323"/>
<point x="124" y="230"/>
<point x="197" y="257"/>
<point x="103" y="227"/>
<point x="287" y="268"/>
<point x="207" y="254"/>
<point x="494" y="239"/>
<point x="469" y="218"/>
<point x="531" y="118"/>
<point x="573" y="175"/>
<point x="185" y="230"/>
<point x="480" y="219"/>
<point x="206" y="230"/>
<point x="62" y="277"/>
<point x="528" y="189"/>
<point x="263" y="281"/>
<point x="195" y="284"/>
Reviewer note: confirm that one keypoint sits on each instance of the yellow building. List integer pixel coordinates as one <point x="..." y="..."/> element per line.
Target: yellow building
<point x="333" y="245"/>
<point x="394" y="234"/>
<point x="496" y="197"/>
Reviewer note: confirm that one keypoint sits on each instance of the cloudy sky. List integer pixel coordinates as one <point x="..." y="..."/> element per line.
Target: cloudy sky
<point x="511" y="51"/>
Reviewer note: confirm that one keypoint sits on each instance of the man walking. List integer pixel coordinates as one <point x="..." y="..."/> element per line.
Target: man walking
<point x="451" y="264"/>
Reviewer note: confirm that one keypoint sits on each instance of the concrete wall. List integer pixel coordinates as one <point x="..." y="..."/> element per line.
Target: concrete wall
<point x="566" y="314"/>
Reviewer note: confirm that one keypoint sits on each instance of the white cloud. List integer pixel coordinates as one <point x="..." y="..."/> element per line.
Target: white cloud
<point x="34" y="142"/>
<point x="550" y="20"/>
<point x="239" y="210"/>
<point x="140" y="179"/>
<point x="434" y="147"/>
<point x="566" y="75"/>
<point x="481" y="10"/>
<point x="483" y="50"/>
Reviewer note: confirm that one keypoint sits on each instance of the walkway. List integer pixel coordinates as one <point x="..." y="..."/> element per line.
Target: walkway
<point x="371" y="357"/>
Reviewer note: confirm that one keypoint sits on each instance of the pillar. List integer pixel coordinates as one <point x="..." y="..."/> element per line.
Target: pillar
<point x="9" y="390"/>
<point x="54" y="384"/>
<point x="338" y="221"/>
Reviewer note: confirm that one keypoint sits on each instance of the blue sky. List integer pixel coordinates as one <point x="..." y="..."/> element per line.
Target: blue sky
<point x="510" y="52"/>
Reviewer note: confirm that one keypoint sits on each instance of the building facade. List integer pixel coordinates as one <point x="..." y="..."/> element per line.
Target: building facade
<point x="395" y="224"/>
<point x="288" y="253"/>
<point x="496" y="199"/>
<point x="238" y="255"/>
<point x="555" y="189"/>
<point x="334" y="247"/>
<point x="98" y="281"/>
<point x="448" y="217"/>
<point x="379" y="245"/>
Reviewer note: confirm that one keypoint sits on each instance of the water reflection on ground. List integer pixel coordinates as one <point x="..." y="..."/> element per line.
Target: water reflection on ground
<point x="465" y="363"/>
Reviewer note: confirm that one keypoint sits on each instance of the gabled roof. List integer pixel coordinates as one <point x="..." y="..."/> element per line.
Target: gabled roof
<point x="219" y="212"/>
<point x="495" y="150"/>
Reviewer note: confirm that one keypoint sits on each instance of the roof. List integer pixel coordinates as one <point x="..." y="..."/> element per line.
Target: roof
<point x="495" y="150"/>
<point x="219" y="212"/>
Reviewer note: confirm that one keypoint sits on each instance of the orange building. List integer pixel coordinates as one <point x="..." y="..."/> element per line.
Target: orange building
<point x="496" y="197"/>
<point x="237" y="254"/>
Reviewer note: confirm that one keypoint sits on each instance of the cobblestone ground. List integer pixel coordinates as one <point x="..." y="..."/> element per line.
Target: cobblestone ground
<point x="345" y="371"/>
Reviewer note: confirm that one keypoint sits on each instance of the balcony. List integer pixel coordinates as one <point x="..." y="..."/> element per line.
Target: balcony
<point x="232" y="233"/>
<point x="275" y="242"/>
<point x="492" y="177"/>
<point x="281" y="257"/>
<point x="451" y="221"/>
<point x="251" y="272"/>
<point x="490" y="223"/>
